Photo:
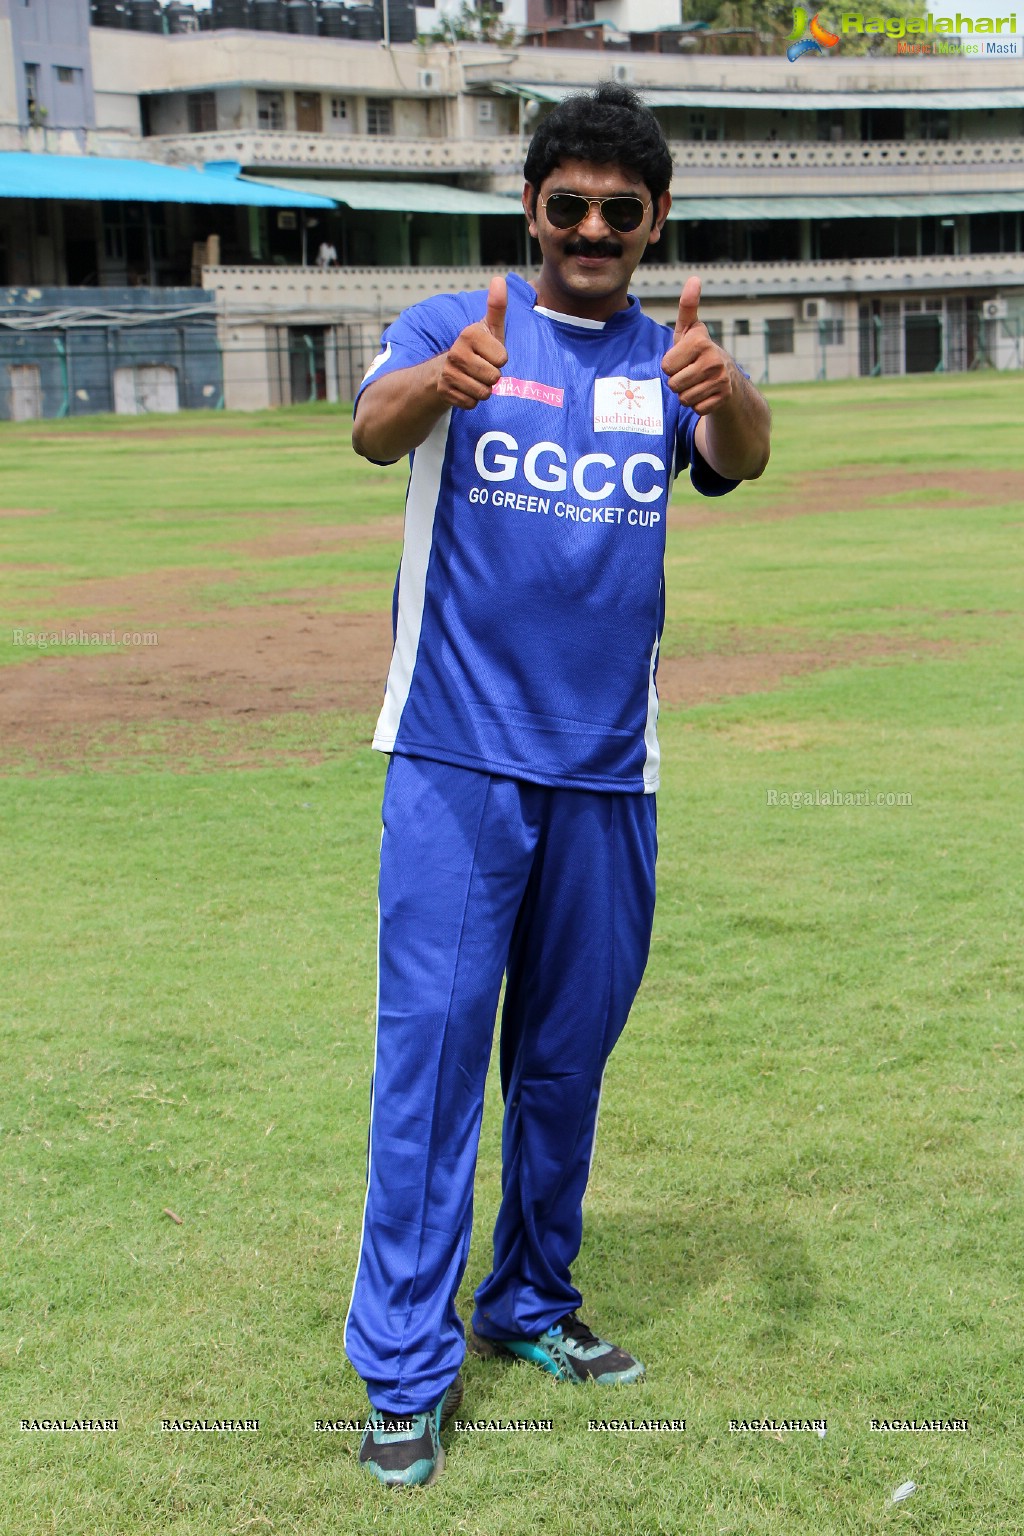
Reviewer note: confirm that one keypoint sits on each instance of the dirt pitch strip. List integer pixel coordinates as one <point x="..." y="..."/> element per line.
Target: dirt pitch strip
<point x="216" y="674"/>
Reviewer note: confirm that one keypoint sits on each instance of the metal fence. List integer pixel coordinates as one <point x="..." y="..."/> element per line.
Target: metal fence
<point x="202" y="363"/>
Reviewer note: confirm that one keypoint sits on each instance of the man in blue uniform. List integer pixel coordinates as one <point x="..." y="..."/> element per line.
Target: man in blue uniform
<point x="546" y="423"/>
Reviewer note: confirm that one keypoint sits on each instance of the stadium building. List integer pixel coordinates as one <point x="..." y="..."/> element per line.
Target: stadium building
<point x="169" y="177"/>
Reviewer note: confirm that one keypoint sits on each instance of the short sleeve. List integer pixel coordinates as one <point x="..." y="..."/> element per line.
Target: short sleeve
<point x="420" y="333"/>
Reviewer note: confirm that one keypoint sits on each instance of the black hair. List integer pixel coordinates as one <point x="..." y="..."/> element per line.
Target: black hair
<point x="608" y="125"/>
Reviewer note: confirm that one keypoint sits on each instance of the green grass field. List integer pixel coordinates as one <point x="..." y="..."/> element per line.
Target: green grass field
<point x="806" y="1199"/>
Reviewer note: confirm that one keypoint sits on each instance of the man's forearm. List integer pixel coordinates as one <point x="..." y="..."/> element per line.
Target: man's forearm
<point x="735" y="438"/>
<point x="398" y="412"/>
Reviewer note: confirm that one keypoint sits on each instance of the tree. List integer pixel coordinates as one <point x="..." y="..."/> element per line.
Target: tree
<point x="775" y="23"/>
<point x="473" y="25"/>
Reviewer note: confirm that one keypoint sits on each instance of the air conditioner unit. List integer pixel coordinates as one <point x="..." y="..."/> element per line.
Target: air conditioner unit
<point x="994" y="309"/>
<point x="622" y="73"/>
<point x="428" y="79"/>
<point x="813" y="309"/>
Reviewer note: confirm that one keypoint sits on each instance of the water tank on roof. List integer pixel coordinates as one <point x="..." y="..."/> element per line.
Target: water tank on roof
<point x="230" y="13"/>
<point x="402" y="21"/>
<point x="332" y="19"/>
<point x="301" y="17"/>
<point x="181" y="18"/>
<point x="369" y="23"/>
<point x="145" y="16"/>
<point x="268" y="16"/>
<point x="109" y="13"/>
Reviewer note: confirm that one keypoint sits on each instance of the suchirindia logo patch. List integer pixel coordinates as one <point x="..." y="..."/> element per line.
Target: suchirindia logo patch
<point x="819" y="38"/>
<point x="628" y="405"/>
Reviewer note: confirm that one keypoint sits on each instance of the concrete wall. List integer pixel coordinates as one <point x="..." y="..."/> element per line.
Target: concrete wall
<point x="202" y="60"/>
<point x="9" y="110"/>
<point x="149" y="62"/>
<point x="52" y="35"/>
<point x="117" y="112"/>
<point x="737" y="73"/>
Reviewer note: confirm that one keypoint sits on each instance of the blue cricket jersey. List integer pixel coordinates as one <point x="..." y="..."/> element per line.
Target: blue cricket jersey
<point x="530" y="597"/>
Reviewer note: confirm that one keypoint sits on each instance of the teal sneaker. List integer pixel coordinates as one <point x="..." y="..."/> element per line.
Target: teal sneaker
<point x="407" y="1452"/>
<point x="569" y="1351"/>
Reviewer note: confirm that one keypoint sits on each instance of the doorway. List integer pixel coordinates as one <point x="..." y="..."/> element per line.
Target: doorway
<point x="923" y="342"/>
<point x="308" y="112"/>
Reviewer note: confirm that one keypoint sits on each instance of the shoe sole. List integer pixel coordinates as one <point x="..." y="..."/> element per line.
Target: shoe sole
<point x="438" y="1469"/>
<point x="452" y="1400"/>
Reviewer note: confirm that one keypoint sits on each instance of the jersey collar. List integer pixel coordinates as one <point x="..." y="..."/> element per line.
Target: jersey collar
<point x="615" y="322"/>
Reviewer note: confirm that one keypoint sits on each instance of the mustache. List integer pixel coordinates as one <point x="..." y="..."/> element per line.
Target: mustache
<point x="581" y="247"/>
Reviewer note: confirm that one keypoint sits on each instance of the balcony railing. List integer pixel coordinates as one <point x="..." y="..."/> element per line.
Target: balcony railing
<point x="738" y="168"/>
<point x="890" y="154"/>
<point x="338" y="152"/>
<point x="504" y="156"/>
<point x="385" y="290"/>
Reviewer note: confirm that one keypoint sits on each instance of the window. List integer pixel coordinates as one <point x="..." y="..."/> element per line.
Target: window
<point x="714" y="330"/>
<point x="65" y="74"/>
<point x="741" y="328"/>
<point x="780" y="336"/>
<point x="934" y="124"/>
<point x="485" y="111"/>
<point x="32" y="87"/>
<point x="830" y="126"/>
<point x="878" y="123"/>
<point x="378" y="118"/>
<point x="831" y="333"/>
<point x="704" y="127"/>
<point x="113" y="235"/>
<point x="270" y="109"/>
<point x="339" y="109"/>
<point x="202" y="112"/>
<point x="158" y="231"/>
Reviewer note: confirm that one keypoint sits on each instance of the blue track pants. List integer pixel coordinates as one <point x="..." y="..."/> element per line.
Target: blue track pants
<point x="481" y="875"/>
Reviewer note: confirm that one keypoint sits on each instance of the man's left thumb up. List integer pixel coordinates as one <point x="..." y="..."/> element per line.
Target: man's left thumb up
<point x="689" y="302"/>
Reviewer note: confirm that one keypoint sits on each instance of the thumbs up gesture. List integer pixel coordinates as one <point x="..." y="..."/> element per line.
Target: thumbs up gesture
<point x="472" y="365"/>
<point x="698" y="370"/>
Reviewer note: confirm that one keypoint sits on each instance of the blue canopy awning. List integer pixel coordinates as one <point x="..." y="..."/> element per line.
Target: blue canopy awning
<point x="96" y="178"/>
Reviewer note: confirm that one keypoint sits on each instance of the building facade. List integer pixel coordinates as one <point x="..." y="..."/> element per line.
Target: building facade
<point x="847" y="215"/>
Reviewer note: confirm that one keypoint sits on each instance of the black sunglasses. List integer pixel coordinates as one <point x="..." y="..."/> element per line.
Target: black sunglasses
<point x="565" y="210"/>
